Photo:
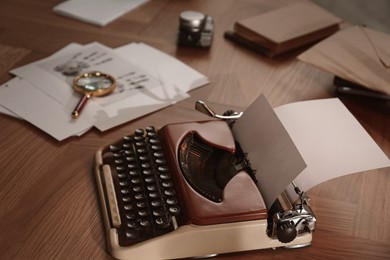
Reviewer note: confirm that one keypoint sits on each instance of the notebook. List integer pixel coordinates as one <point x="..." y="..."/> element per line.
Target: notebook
<point x="287" y="28"/>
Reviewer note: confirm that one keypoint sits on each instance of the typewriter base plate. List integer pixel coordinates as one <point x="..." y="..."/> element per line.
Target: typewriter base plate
<point x="192" y="241"/>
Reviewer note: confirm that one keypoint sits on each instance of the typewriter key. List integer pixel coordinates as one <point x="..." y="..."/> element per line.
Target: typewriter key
<point x="128" y="207"/>
<point x="143" y="213"/>
<point x="156" y="203"/>
<point x="150" y="129"/>
<point x="138" y="189"/>
<point x="147" y="172"/>
<point x="126" y="199"/>
<point x="145" y="223"/>
<point x="169" y="192"/>
<point x="132" y="234"/>
<point x="121" y="175"/>
<point x="161" y="161"/>
<point x="164" y="176"/>
<point x="125" y="191"/>
<point x="131" y="216"/>
<point x="174" y="210"/>
<point x="141" y="204"/>
<point x="139" y="132"/>
<point x="171" y="201"/>
<point x="158" y="212"/>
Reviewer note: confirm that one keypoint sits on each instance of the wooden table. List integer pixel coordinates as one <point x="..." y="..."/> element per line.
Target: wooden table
<point x="49" y="207"/>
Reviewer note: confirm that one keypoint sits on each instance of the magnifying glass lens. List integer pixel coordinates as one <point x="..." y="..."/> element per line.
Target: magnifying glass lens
<point x="92" y="84"/>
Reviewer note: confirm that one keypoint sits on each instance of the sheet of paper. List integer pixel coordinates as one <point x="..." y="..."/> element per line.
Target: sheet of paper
<point x="40" y="110"/>
<point x="170" y="70"/>
<point x="331" y="141"/>
<point x="270" y="149"/>
<point x="97" y="12"/>
<point x="156" y="81"/>
<point x="358" y="54"/>
<point x="6" y="111"/>
<point x="57" y="88"/>
<point x="137" y="92"/>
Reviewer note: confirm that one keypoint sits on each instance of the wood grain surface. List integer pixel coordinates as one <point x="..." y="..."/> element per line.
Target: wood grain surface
<point x="49" y="207"/>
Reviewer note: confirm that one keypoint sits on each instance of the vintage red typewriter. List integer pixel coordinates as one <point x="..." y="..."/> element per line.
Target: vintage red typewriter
<point x="188" y="190"/>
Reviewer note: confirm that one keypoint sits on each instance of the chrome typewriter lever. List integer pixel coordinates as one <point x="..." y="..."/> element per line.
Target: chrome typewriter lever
<point x="205" y="109"/>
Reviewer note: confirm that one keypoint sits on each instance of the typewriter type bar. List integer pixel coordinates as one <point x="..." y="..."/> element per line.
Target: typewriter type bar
<point x="187" y="190"/>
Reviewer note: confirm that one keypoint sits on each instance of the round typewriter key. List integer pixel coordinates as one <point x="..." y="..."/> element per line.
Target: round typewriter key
<point x="123" y="183"/>
<point x="132" y="166"/>
<point x="133" y="173"/>
<point x="147" y="172"/>
<point x="137" y="189"/>
<point x="139" y="131"/>
<point x="142" y="150"/>
<point x="125" y="191"/>
<point x="158" y="212"/>
<point x="115" y="148"/>
<point x="118" y="161"/>
<point x="132" y="234"/>
<point x="161" y="161"/>
<point x="130" y="159"/>
<point x="139" y="138"/>
<point x="139" y="196"/>
<point x="144" y="223"/>
<point x="150" y="128"/>
<point x="154" y="195"/>
<point x="127" y="145"/>
<point x="144" y="158"/>
<point x="163" y="168"/>
<point x="171" y="201"/>
<point x="136" y="181"/>
<point x="141" y="204"/>
<point x="129" y="152"/>
<point x="128" y="207"/>
<point x="158" y="154"/>
<point x="121" y="175"/>
<point x="143" y="213"/>
<point x="164" y="176"/>
<point x="154" y="141"/>
<point x="156" y="203"/>
<point x="126" y="199"/>
<point x="130" y="215"/>
<point x="161" y="221"/>
<point x="169" y="192"/>
<point x="151" y="134"/>
<point x="174" y="210"/>
<point x="156" y="147"/>
<point x="167" y="184"/>
<point x="151" y="187"/>
<point x="140" y="144"/>
<point x="150" y="180"/>
<point x="131" y="224"/>
<point x="128" y="138"/>
<point x="120" y="168"/>
<point x="145" y="165"/>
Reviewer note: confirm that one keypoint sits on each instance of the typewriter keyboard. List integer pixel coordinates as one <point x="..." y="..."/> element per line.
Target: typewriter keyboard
<point x="144" y="191"/>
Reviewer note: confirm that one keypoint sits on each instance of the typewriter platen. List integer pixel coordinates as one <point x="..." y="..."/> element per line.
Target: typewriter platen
<point x="189" y="190"/>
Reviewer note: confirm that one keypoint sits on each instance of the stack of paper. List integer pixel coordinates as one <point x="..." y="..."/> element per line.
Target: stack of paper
<point x="147" y="80"/>
<point x="97" y="12"/>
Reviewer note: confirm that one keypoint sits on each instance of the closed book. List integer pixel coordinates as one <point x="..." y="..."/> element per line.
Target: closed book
<point x="288" y="27"/>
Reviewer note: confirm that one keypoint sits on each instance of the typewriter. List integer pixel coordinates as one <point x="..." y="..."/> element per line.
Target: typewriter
<point x="189" y="190"/>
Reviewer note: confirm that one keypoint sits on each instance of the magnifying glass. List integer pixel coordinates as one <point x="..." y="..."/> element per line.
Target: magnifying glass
<point x="92" y="84"/>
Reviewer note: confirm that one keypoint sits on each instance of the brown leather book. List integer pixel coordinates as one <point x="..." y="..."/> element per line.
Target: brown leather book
<point x="288" y="27"/>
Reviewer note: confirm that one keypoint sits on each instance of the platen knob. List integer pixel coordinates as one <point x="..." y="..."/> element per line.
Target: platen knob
<point x="286" y="232"/>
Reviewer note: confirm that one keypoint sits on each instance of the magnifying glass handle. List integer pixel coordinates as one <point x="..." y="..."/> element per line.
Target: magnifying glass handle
<point x="76" y="112"/>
